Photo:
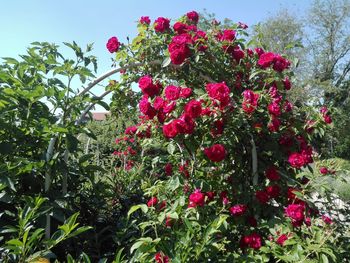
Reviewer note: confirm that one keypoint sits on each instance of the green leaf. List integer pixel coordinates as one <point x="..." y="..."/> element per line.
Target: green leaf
<point x="134" y="208"/>
<point x="324" y="258"/>
<point x="171" y="148"/>
<point x="166" y="62"/>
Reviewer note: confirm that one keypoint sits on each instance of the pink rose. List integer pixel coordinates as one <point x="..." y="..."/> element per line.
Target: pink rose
<point x="113" y="44"/>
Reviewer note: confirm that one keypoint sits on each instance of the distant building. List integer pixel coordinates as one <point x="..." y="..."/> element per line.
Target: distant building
<point x="96" y="116"/>
<point x="100" y="116"/>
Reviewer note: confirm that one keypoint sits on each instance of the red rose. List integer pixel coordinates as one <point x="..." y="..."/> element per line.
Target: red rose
<point x="242" y="25"/>
<point x="237" y="54"/>
<point x="296" y="160"/>
<point x="131" y="130"/>
<point x="250" y="101"/>
<point x="288" y="106"/>
<point x="280" y="63"/>
<point x="273" y="191"/>
<point x="147" y="86"/>
<point x="152" y="202"/>
<point x="193" y="16"/>
<point x="193" y="108"/>
<point x="274" y="109"/>
<point x="295" y="212"/>
<point x="178" y="48"/>
<point x="238" y="210"/>
<point x="252" y="221"/>
<point x="324" y="110"/>
<point x="158" y="103"/>
<point x="266" y="59"/>
<point x="262" y="197"/>
<point x="185" y="93"/>
<point x="146" y="107"/>
<point x="113" y="44"/>
<point x="210" y="196"/>
<point x="145" y="20"/>
<point x="161" y="258"/>
<point x="218" y="128"/>
<point x="327" y="219"/>
<point x="168" y="169"/>
<point x="215" y="153"/>
<point x="161" y="24"/>
<point x="272" y="174"/>
<point x="180" y="28"/>
<point x="253" y="241"/>
<point x="327" y="119"/>
<point x="274" y="124"/>
<point x="281" y="239"/>
<point x="219" y="92"/>
<point x="287" y="84"/>
<point x="196" y="198"/>
<point x="170" y="130"/>
<point x="324" y="170"/>
<point x="172" y="92"/>
<point x="228" y="35"/>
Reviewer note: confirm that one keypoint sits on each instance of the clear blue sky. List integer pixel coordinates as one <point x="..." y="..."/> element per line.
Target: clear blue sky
<point x="86" y="21"/>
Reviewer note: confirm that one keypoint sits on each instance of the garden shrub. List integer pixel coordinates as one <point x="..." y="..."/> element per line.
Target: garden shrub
<point x="222" y="151"/>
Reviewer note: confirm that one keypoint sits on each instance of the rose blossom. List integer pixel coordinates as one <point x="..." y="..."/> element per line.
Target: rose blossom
<point x="295" y="212"/>
<point x="152" y="202"/>
<point x="281" y="239"/>
<point x="324" y="170"/>
<point x="172" y="92"/>
<point x="253" y="241"/>
<point x="161" y="24"/>
<point x="219" y="92"/>
<point x="272" y="174"/>
<point x="327" y="219"/>
<point x="196" y="198"/>
<point x="193" y="16"/>
<point x="262" y="196"/>
<point x="215" y="153"/>
<point x="296" y="160"/>
<point x="238" y="210"/>
<point x="168" y="169"/>
<point x="113" y="44"/>
<point x="148" y="87"/>
<point x="193" y="108"/>
<point x="145" y="20"/>
<point x="161" y="258"/>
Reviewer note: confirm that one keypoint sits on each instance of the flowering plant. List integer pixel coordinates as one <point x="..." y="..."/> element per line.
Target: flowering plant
<point x="224" y="181"/>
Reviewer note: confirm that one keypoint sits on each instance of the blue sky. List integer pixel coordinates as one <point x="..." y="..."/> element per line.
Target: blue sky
<point x="86" y="21"/>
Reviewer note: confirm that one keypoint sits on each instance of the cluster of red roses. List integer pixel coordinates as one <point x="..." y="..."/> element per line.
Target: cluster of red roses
<point x="175" y="112"/>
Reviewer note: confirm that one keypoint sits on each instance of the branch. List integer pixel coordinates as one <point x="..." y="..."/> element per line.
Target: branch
<point x="254" y="162"/>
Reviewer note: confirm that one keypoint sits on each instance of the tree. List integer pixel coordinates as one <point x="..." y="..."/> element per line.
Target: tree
<point x="329" y="45"/>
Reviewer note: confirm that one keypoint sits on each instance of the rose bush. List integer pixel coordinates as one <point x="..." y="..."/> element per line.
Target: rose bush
<point x="224" y="181"/>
